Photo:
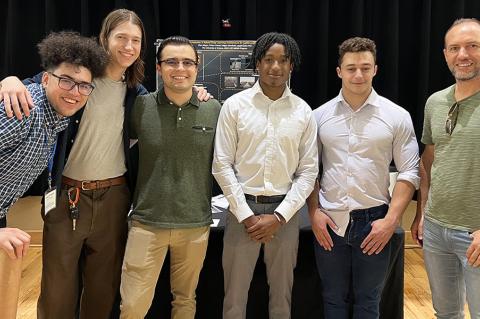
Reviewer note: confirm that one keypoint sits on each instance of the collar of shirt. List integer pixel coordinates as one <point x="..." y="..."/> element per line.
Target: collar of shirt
<point x="258" y="92"/>
<point x="371" y="100"/>
<point x="163" y="99"/>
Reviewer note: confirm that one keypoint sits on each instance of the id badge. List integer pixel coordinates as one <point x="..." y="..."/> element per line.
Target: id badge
<point x="50" y="200"/>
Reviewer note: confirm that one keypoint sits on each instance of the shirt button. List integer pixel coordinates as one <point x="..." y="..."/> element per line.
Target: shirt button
<point x="76" y="121"/>
<point x="179" y="118"/>
<point x="71" y="141"/>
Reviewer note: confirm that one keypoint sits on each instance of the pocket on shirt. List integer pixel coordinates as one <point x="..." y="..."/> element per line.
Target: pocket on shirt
<point x="203" y="135"/>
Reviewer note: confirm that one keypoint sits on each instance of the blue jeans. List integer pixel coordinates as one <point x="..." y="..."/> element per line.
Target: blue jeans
<point x="352" y="280"/>
<point x="449" y="274"/>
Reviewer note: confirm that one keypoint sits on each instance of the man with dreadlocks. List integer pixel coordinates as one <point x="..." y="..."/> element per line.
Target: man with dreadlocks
<point x="266" y="162"/>
<point x="351" y="212"/>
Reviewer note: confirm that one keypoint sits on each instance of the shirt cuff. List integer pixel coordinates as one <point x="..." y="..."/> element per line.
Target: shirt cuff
<point x="286" y="210"/>
<point x="411" y="178"/>
<point x="242" y="212"/>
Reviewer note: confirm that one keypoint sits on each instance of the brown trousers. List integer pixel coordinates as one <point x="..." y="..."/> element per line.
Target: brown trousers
<point x="82" y="267"/>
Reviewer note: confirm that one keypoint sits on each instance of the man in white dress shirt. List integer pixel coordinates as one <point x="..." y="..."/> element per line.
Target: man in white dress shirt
<point x="266" y="162"/>
<point x="351" y="212"/>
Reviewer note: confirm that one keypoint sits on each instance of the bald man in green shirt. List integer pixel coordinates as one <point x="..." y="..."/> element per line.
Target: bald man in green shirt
<point x="450" y="226"/>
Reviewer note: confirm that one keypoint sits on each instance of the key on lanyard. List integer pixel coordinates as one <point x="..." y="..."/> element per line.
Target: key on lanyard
<point x="74" y="211"/>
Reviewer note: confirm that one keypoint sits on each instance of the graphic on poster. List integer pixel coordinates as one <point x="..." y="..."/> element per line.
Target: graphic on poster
<point x="225" y="67"/>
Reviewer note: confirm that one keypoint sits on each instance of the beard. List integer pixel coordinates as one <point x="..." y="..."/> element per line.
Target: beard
<point x="464" y="76"/>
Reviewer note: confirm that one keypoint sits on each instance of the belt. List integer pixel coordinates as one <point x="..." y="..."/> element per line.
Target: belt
<point x="364" y="214"/>
<point x="91" y="185"/>
<point x="265" y="199"/>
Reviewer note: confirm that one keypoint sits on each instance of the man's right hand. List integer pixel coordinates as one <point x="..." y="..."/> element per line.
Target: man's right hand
<point x="16" y="98"/>
<point x="320" y="222"/>
<point x="14" y="242"/>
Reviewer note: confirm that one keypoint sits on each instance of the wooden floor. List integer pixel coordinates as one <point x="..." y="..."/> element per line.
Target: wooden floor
<point x="418" y="303"/>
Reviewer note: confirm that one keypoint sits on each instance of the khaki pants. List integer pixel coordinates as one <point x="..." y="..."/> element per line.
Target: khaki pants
<point x="144" y="257"/>
<point x="10" y="274"/>
<point x="82" y="267"/>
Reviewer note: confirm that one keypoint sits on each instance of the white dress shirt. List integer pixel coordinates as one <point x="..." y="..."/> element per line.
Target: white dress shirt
<point x="356" y="149"/>
<point x="265" y="147"/>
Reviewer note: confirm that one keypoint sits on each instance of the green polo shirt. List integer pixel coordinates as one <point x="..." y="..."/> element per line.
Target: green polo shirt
<point x="455" y="176"/>
<point x="174" y="185"/>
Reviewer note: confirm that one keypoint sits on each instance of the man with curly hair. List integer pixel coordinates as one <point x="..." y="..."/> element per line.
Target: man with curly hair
<point x="70" y="62"/>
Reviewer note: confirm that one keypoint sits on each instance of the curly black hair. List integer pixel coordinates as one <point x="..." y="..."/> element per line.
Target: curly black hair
<point x="70" y="47"/>
<point x="265" y="41"/>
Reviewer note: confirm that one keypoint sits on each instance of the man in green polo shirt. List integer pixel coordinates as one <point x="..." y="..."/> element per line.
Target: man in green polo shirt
<point x="451" y="134"/>
<point x="171" y="207"/>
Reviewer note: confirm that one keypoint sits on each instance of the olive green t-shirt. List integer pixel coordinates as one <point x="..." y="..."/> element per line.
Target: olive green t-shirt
<point x="174" y="185"/>
<point x="455" y="176"/>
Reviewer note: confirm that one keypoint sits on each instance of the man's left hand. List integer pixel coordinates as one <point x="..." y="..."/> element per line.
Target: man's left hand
<point x="265" y="229"/>
<point x="382" y="231"/>
<point x="473" y="251"/>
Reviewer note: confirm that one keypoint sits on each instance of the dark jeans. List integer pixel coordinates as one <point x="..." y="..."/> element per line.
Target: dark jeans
<point x="352" y="280"/>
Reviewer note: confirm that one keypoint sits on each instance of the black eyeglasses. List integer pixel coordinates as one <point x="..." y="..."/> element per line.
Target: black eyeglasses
<point x="175" y="64"/>
<point x="451" y="120"/>
<point x="68" y="84"/>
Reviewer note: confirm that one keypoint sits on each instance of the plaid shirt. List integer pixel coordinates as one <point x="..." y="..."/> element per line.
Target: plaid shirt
<point x="26" y="146"/>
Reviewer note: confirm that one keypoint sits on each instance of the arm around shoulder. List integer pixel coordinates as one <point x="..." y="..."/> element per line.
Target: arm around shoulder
<point x="141" y="90"/>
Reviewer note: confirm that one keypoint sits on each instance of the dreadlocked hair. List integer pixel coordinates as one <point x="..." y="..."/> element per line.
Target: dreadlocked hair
<point x="265" y="41"/>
